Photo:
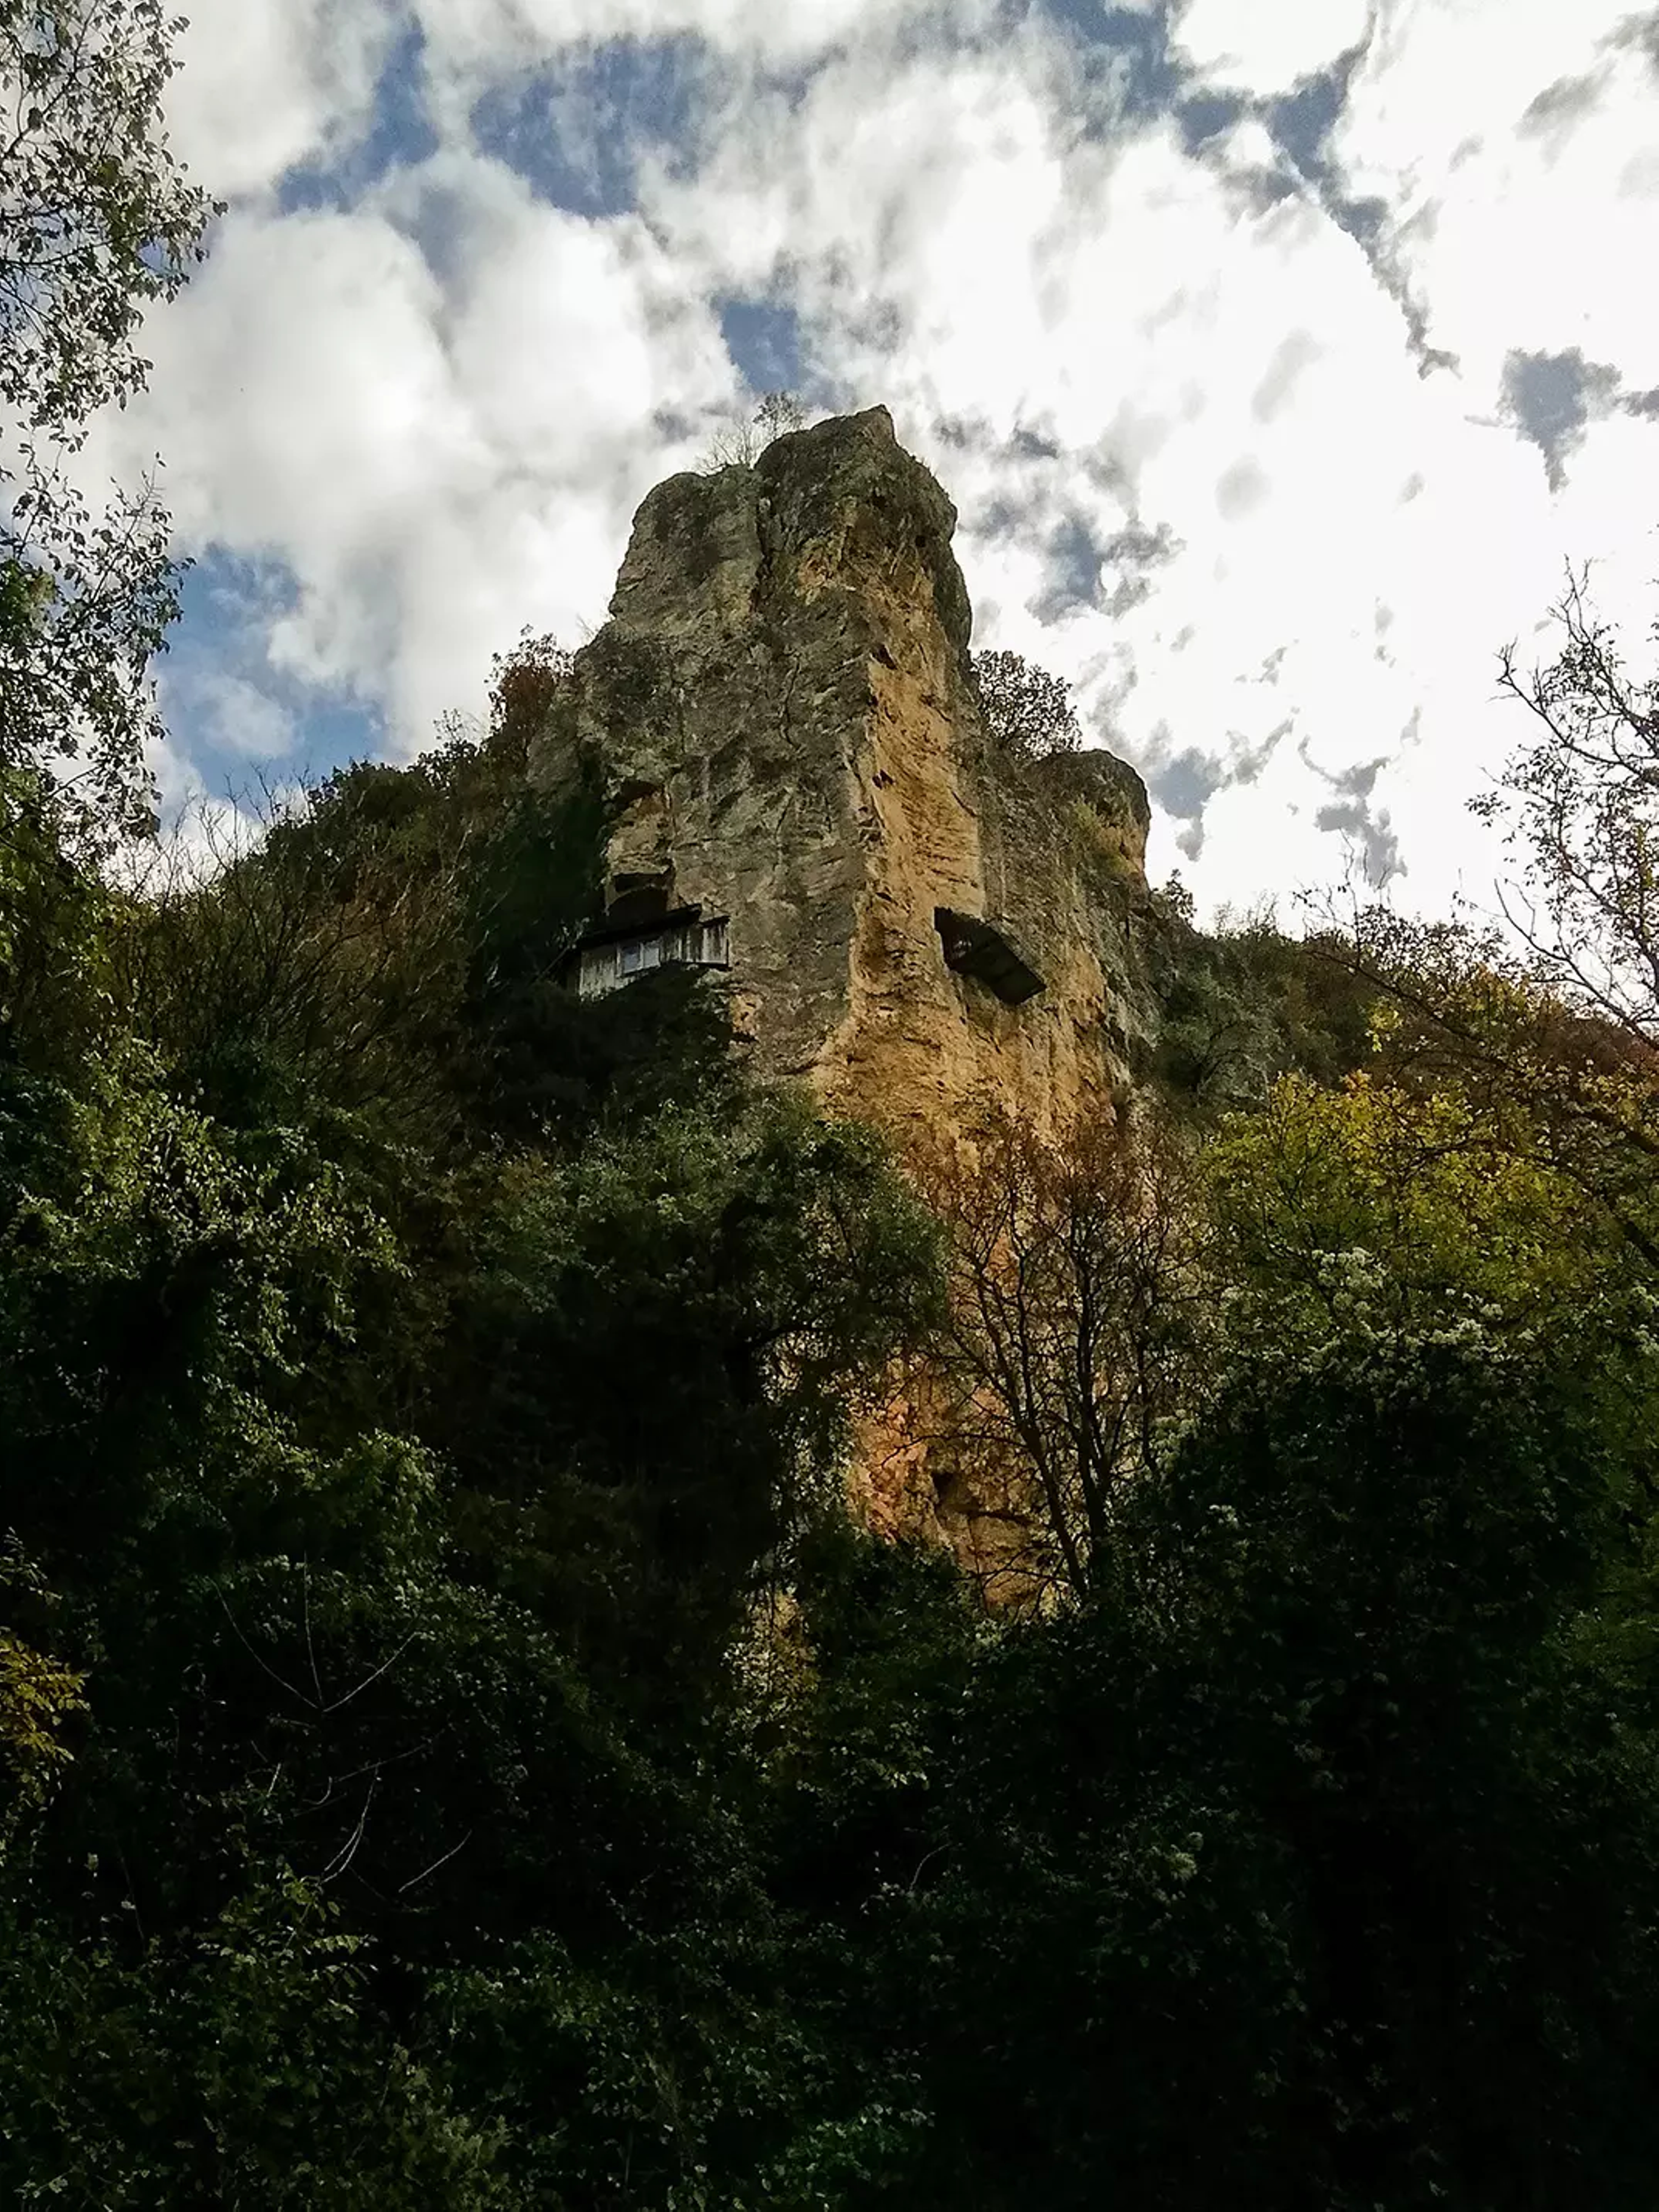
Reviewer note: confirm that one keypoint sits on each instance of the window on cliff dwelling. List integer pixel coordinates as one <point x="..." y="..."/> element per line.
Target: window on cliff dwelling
<point x="611" y="956"/>
<point x="984" y="950"/>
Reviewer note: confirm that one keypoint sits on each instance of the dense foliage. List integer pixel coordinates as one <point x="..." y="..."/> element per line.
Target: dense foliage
<point x="1027" y="712"/>
<point x="413" y="1381"/>
<point x="457" y="1750"/>
<point x="460" y="1752"/>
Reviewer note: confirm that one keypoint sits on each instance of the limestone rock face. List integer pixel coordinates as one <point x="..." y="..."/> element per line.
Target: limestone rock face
<point x="782" y="718"/>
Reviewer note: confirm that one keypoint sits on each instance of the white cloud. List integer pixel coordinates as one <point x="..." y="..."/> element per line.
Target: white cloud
<point x="438" y="408"/>
<point x="1505" y="144"/>
<point x="303" y="384"/>
<point x="438" y="463"/>
<point x="228" y="713"/>
<point x="490" y="37"/>
<point x="264" y="83"/>
<point x="1268" y="48"/>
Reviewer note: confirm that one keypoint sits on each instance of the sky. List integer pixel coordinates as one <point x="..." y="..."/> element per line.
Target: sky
<point x="1278" y="355"/>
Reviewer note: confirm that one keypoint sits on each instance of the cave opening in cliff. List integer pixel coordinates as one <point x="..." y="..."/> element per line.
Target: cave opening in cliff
<point x="983" y="950"/>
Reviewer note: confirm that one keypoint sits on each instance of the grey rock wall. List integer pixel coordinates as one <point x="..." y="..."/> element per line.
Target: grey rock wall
<point x="781" y="713"/>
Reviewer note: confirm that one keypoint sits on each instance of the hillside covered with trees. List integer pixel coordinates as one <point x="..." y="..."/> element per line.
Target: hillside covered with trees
<point x="457" y="1748"/>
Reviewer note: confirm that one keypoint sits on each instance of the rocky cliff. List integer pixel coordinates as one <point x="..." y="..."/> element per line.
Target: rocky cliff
<point x="781" y="715"/>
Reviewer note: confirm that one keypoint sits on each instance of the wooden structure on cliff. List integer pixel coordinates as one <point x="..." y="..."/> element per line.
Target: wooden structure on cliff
<point x="781" y="716"/>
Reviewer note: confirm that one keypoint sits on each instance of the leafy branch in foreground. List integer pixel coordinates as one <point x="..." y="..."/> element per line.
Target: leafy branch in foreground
<point x="97" y="223"/>
<point x="1582" y="801"/>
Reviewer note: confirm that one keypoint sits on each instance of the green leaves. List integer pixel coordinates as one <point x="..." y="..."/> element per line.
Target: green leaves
<point x="36" y="1696"/>
<point x="666" y="1339"/>
<point x="1027" y="712"/>
<point x="1326" y="1827"/>
<point x="89" y="238"/>
<point x="405" y="1494"/>
<point x="460" y="1752"/>
<point x="242" y="2065"/>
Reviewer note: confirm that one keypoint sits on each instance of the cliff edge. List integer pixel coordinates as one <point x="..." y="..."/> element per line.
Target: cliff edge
<point x="781" y="716"/>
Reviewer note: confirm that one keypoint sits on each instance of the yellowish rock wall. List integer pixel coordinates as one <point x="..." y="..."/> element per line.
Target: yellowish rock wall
<point x="781" y="717"/>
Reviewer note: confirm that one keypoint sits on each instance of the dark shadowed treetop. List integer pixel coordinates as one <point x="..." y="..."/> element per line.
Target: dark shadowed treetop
<point x="1027" y="711"/>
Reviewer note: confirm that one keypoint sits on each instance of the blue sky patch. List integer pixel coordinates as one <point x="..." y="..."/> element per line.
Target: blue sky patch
<point x="1138" y="42"/>
<point x="577" y="130"/>
<point x="1551" y="397"/>
<point x="399" y="136"/>
<point x="1185" y="785"/>
<point x="1073" y="580"/>
<point x="1206" y="115"/>
<point x="224" y="699"/>
<point x="763" y="339"/>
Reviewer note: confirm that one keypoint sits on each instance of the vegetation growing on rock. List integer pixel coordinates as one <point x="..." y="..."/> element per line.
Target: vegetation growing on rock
<point x="459" y="1750"/>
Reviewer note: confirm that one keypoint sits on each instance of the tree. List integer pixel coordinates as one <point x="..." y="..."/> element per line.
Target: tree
<point x="86" y="601"/>
<point x="770" y="1264"/>
<point x="1422" y="1195"/>
<point x="1547" y="1028"/>
<point x="393" y="1486"/>
<point x="97" y="222"/>
<point x="38" y="1695"/>
<point x="1310" y="1862"/>
<point x="1077" y="1300"/>
<point x="1581" y="803"/>
<point x="741" y="444"/>
<point x="1244" y="1004"/>
<point x="1027" y="711"/>
<point x="392" y="939"/>
<point x="777" y="414"/>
